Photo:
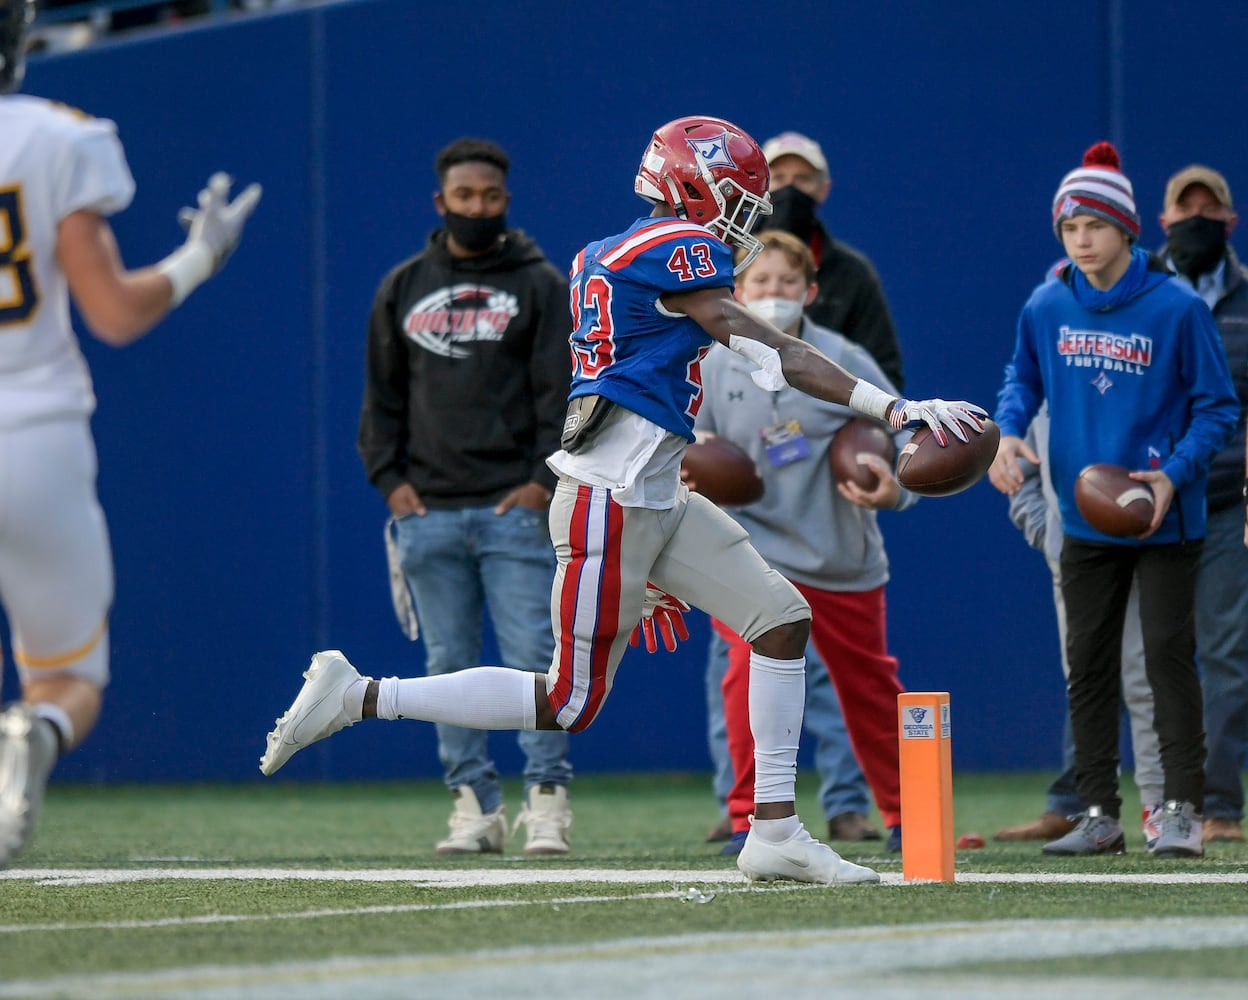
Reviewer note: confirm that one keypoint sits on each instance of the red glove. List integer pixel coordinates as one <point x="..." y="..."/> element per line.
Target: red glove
<point x="663" y="612"/>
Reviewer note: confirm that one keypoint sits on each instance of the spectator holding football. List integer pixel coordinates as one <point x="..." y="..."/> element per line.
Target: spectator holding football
<point x="840" y="569"/>
<point x="1034" y="511"/>
<point x="1134" y="373"/>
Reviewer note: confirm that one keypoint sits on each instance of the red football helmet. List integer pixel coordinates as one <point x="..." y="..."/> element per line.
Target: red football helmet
<point x="710" y="172"/>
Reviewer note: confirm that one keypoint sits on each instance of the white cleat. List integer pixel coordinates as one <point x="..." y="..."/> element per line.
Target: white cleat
<point x="317" y="711"/>
<point x="801" y="858"/>
<point x="27" y="753"/>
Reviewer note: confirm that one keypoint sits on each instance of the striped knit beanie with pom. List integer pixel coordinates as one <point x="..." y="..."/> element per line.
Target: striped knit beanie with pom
<point x="1098" y="188"/>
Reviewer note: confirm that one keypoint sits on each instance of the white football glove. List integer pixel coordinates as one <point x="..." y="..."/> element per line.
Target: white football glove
<point x="938" y="414"/>
<point x="663" y="615"/>
<point x="212" y="232"/>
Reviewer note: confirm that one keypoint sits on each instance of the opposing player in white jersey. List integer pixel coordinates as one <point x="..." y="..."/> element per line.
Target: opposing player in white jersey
<point x="646" y="306"/>
<point x="62" y="174"/>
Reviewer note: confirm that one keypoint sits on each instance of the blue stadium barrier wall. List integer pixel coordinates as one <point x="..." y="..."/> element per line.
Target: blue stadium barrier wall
<point x="245" y="534"/>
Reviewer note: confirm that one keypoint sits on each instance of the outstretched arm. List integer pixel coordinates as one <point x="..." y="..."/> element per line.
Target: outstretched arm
<point x="728" y="321"/>
<point x="787" y="360"/>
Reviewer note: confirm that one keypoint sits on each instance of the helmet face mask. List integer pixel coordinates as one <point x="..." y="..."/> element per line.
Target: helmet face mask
<point x="15" y="19"/>
<point x="711" y="172"/>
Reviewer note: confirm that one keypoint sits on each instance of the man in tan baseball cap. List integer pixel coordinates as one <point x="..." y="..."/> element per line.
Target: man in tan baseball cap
<point x="1198" y="174"/>
<point x="850" y="299"/>
<point x="1198" y="217"/>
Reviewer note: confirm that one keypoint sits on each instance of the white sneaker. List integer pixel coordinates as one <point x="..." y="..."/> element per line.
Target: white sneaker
<point x="317" y="711"/>
<point x="801" y="858"/>
<point x="27" y="753"/>
<point x="547" y="818"/>
<point x="472" y="831"/>
<point x="1181" y="829"/>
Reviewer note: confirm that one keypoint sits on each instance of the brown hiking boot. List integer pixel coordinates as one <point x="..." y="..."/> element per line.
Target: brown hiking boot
<point x="851" y="826"/>
<point x="1049" y="826"/>
<point x="1223" y="830"/>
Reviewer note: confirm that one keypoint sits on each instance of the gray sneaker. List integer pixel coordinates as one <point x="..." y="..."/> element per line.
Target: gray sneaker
<point x="27" y="754"/>
<point x="1181" y="828"/>
<point x="1094" y="833"/>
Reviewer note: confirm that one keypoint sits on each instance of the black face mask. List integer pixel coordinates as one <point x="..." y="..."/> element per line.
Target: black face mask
<point x="793" y="211"/>
<point x="1196" y="245"/>
<point x="474" y="234"/>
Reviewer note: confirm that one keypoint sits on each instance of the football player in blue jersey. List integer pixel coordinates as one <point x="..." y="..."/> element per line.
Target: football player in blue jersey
<point x="634" y="545"/>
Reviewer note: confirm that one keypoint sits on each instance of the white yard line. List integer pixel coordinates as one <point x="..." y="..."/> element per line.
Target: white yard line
<point x="874" y="963"/>
<point x="540" y="875"/>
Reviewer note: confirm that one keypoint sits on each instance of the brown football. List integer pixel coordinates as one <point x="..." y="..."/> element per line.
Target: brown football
<point x="721" y="471"/>
<point x="925" y="468"/>
<point x="1112" y="502"/>
<point x="861" y="434"/>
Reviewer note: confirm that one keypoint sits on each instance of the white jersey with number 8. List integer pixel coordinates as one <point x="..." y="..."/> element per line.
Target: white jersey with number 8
<point x="53" y="161"/>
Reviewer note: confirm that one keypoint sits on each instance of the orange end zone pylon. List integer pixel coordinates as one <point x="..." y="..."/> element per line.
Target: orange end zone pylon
<point x="926" y="786"/>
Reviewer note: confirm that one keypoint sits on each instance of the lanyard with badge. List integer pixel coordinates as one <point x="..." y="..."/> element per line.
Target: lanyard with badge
<point x="783" y="439"/>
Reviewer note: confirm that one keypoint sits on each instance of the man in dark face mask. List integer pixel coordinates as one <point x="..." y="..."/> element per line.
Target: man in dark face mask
<point x="850" y="299"/>
<point x="467" y="380"/>
<point x="473" y="201"/>
<point x="1198" y="217"/>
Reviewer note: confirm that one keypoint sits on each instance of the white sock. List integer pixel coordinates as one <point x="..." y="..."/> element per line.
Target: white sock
<point x="478" y="698"/>
<point x="776" y="831"/>
<point x="59" y="719"/>
<point x="777" y="697"/>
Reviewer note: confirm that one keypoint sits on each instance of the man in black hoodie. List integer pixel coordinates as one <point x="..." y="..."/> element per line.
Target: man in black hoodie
<point x="466" y="388"/>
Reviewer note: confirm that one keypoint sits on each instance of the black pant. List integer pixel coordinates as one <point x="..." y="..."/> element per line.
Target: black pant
<point x="1096" y="580"/>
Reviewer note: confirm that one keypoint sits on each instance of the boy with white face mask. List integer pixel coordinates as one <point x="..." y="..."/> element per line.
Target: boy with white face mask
<point x="840" y="567"/>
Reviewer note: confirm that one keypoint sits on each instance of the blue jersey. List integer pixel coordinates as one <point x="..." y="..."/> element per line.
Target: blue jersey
<point x="1142" y="383"/>
<point x="624" y="346"/>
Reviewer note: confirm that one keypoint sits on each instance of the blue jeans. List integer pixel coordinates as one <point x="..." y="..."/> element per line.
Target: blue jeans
<point x="842" y="786"/>
<point x="457" y="563"/>
<point x="1222" y="649"/>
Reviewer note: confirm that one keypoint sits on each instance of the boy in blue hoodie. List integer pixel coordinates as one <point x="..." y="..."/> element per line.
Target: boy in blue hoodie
<point x="1134" y="373"/>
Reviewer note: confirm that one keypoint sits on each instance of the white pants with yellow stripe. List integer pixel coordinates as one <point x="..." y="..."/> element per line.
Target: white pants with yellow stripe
<point x="56" y="568"/>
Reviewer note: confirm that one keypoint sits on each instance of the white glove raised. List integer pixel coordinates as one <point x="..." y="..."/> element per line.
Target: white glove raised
<point x="663" y="612"/>
<point x="938" y="414"/>
<point x="212" y="232"/>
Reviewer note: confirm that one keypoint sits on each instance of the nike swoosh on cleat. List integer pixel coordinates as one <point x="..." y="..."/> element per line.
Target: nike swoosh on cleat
<point x="311" y="708"/>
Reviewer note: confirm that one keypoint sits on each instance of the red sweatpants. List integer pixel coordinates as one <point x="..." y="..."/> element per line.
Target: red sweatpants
<point x="849" y="631"/>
